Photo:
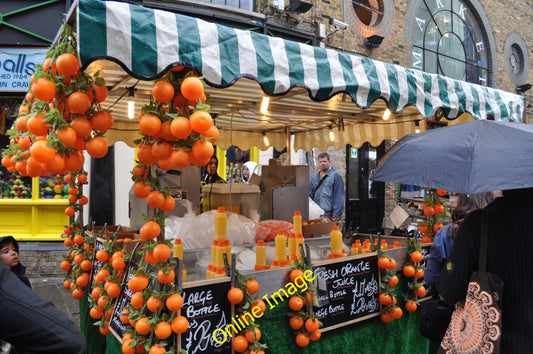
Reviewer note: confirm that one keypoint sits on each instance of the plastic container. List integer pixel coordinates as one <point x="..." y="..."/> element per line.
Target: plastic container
<point x="178" y="249"/>
<point x="221" y="223"/>
<point x="239" y="198"/>
<point x="336" y="241"/>
<point x="297" y="222"/>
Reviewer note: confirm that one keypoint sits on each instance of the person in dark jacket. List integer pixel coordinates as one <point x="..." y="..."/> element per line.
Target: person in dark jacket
<point x="32" y="324"/>
<point x="509" y="250"/>
<point x="211" y="175"/>
<point x="9" y="254"/>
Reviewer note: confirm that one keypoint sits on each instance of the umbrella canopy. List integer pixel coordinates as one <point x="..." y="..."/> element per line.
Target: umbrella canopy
<point x="467" y="158"/>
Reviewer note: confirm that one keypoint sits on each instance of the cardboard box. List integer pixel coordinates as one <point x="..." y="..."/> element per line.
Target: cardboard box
<point x="127" y="239"/>
<point x="316" y="228"/>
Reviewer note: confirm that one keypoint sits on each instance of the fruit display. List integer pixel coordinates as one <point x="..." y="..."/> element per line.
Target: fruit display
<point x="15" y="188"/>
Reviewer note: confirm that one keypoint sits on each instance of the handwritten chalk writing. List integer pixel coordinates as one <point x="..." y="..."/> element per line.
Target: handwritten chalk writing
<point x="350" y="268"/>
<point x="337" y="294"/>
<point x="192" y="312"/>
<point x="199" y="297"/>
<point x="364" y="306"/>
<point x="336" y="308"/>
<point x="325" y="273"/>
<point x="342" y="282"/>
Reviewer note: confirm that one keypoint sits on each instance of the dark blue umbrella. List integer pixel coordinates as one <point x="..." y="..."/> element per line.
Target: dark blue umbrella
<point x="473" y="157"/>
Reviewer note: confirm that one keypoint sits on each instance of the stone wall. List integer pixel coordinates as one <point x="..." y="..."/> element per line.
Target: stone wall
<point x="42" y="258"/>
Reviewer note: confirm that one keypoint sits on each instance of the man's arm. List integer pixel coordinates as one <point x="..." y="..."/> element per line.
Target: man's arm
<point x="338" y="196"/>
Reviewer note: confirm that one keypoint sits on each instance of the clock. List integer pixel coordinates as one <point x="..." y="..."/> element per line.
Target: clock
<point x="453" y="38"/>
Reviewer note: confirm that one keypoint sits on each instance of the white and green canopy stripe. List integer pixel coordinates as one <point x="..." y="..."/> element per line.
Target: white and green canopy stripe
<point x="147" y="42"/>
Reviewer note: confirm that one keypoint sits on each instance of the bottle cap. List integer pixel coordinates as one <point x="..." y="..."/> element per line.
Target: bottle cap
<point x="292" y="235"/>
<point x="177" y="241"/>
<point x="297" y="212"/>
<point x="299" y="236"/>
<point x="221" y="210"/>
<point x="260" y="243"/>
<point x="336" y="228"/>
<point x="357" y="242"/>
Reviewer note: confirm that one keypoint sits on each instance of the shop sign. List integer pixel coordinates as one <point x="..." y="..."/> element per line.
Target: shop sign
<point x="353" y="153"/>
<point x="17" y="65"/>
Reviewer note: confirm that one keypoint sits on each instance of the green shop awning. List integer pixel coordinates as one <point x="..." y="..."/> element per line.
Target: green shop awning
<point x="147" y="42"/>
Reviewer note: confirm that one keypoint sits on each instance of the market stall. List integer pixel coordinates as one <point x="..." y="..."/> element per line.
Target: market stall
<point x="313" y="89"/>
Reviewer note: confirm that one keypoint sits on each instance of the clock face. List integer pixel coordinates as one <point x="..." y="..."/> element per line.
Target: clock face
<point x="451" y="38"/>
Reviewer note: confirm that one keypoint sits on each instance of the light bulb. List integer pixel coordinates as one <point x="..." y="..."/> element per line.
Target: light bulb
<point x="131" y="108"/>
<point x="264" y="104"/>
<point x="265" y="140"/>
<point x="386" y="114"/>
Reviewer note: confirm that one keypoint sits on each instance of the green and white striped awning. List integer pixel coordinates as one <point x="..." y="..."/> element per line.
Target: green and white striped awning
<point x="147" y="42"/>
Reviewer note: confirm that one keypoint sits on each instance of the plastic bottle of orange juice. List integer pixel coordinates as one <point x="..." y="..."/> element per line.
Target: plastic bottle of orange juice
<point x="297" y="222"/>
<point x="221" y="222"/>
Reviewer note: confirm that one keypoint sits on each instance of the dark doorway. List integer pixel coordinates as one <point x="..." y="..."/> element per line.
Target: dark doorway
<point x="364" y="198"/>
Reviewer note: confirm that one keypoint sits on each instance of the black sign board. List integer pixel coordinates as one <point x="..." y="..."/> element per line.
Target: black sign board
<point x="206" y="306"/>
<point x="97" y="265"/>
<point x="347" y="290"/>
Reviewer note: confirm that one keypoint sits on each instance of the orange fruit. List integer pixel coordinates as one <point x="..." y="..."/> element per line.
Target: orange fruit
<point x="150" y="125"/>
<point x="137" y="300"/>
<point x="386" y="317"/>
<point x="423" y="229"/>
<point x="180" y="324"/>
<point x="150" y="230"/>
<point x="295" y="274"/>
<point x="259" y="304"/>
<point x="315" y="335"/>
<point x="168" y="204"/>
<point x="113" y="290"/>
<point x="142" y="326"/>
<point x="102" y="121"/>
<point x="82" y="126"/>
<point x="97" y="147"/>
<point x="155" y="199"/>
<point x="67" y="64"/>
<point x="393" y="281"/>
<point x="437" y="227"/>
<point x="419" y="273"/>
<point x="192" y="88"/>
<point x="141" y="190"/>
<point x="161" y="252"/>
<point x="408" y="271"/>
<point x="201" y="121"/>
<point x="302" y="340"/>
<point x="79" y="102"/>
<point x="296" y="303"/>
<point x="166" y="277"/>
<point x="37" y="126"/>
<point x="41" y="152"/>
<point x="311" y="324"/>
<point x="43" y="89"/>
<point x="163" y="330"/>
<point x="161" y="150"/>
<point x="65" y="265"/>
<point x="180" y="128"/>
<point x="180" y="158"/>
<point x="163" y="91"/>
<point x="420" y="291"/>
<point x="153" y="303"/>
<point x="296" y="322"/>
<point x="138" y="282"/>
<point x="212" y="133"/>
<point x="174" y="302"/>
<point x="439" y="208"/>
<point x="102" y="255"/>
<point x="416" y="257"/>
<point x="429" y="211"/>
<point x="252" y="286"/>
<point x="441" y="192"/>
<point x="240" y="344"/>
<point x="249" y="334"/>
<point x="101" y="92"/>
<point x="145" y="156"/>
<point x="235" y="295"/>
<point x="77" y="293"/>
<point x="411" y="306"/>
<point x="396" y="313"/>
<point x="385" y="299"/>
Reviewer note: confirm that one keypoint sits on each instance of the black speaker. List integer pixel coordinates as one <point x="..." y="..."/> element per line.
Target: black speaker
<point x="374" y="41"/>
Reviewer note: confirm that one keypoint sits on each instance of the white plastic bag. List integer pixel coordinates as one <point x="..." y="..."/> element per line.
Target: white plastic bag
<point x="197" y="231"/>
<point x="315" y="211"/>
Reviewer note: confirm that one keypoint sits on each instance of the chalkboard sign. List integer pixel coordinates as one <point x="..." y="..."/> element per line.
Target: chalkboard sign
<point x="115" y="325"/>
<point x="207" y="308"/>
<point x="97" y="265"/>
<point x="347" y="290"/>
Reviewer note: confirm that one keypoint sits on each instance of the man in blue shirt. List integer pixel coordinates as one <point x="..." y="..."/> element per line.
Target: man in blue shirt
<point x="327" y="188"/>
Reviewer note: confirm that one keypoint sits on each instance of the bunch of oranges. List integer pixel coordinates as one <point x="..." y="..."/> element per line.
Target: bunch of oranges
<point x="413" y="271"/>
<point x="108" y="284"/>
<point x="59" y="118"/>
<point x="244" y="297"/>
<point x="306" y="326"/>
<point x="389" y="280"/>
<point x="435" y="213"/>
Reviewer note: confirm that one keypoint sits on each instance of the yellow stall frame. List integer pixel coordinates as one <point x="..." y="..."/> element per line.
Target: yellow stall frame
<point x="33" y="219"/>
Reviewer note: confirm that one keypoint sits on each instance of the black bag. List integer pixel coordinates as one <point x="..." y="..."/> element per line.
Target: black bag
<point x="435" y="316"/>
<point x="476" y="323"/>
